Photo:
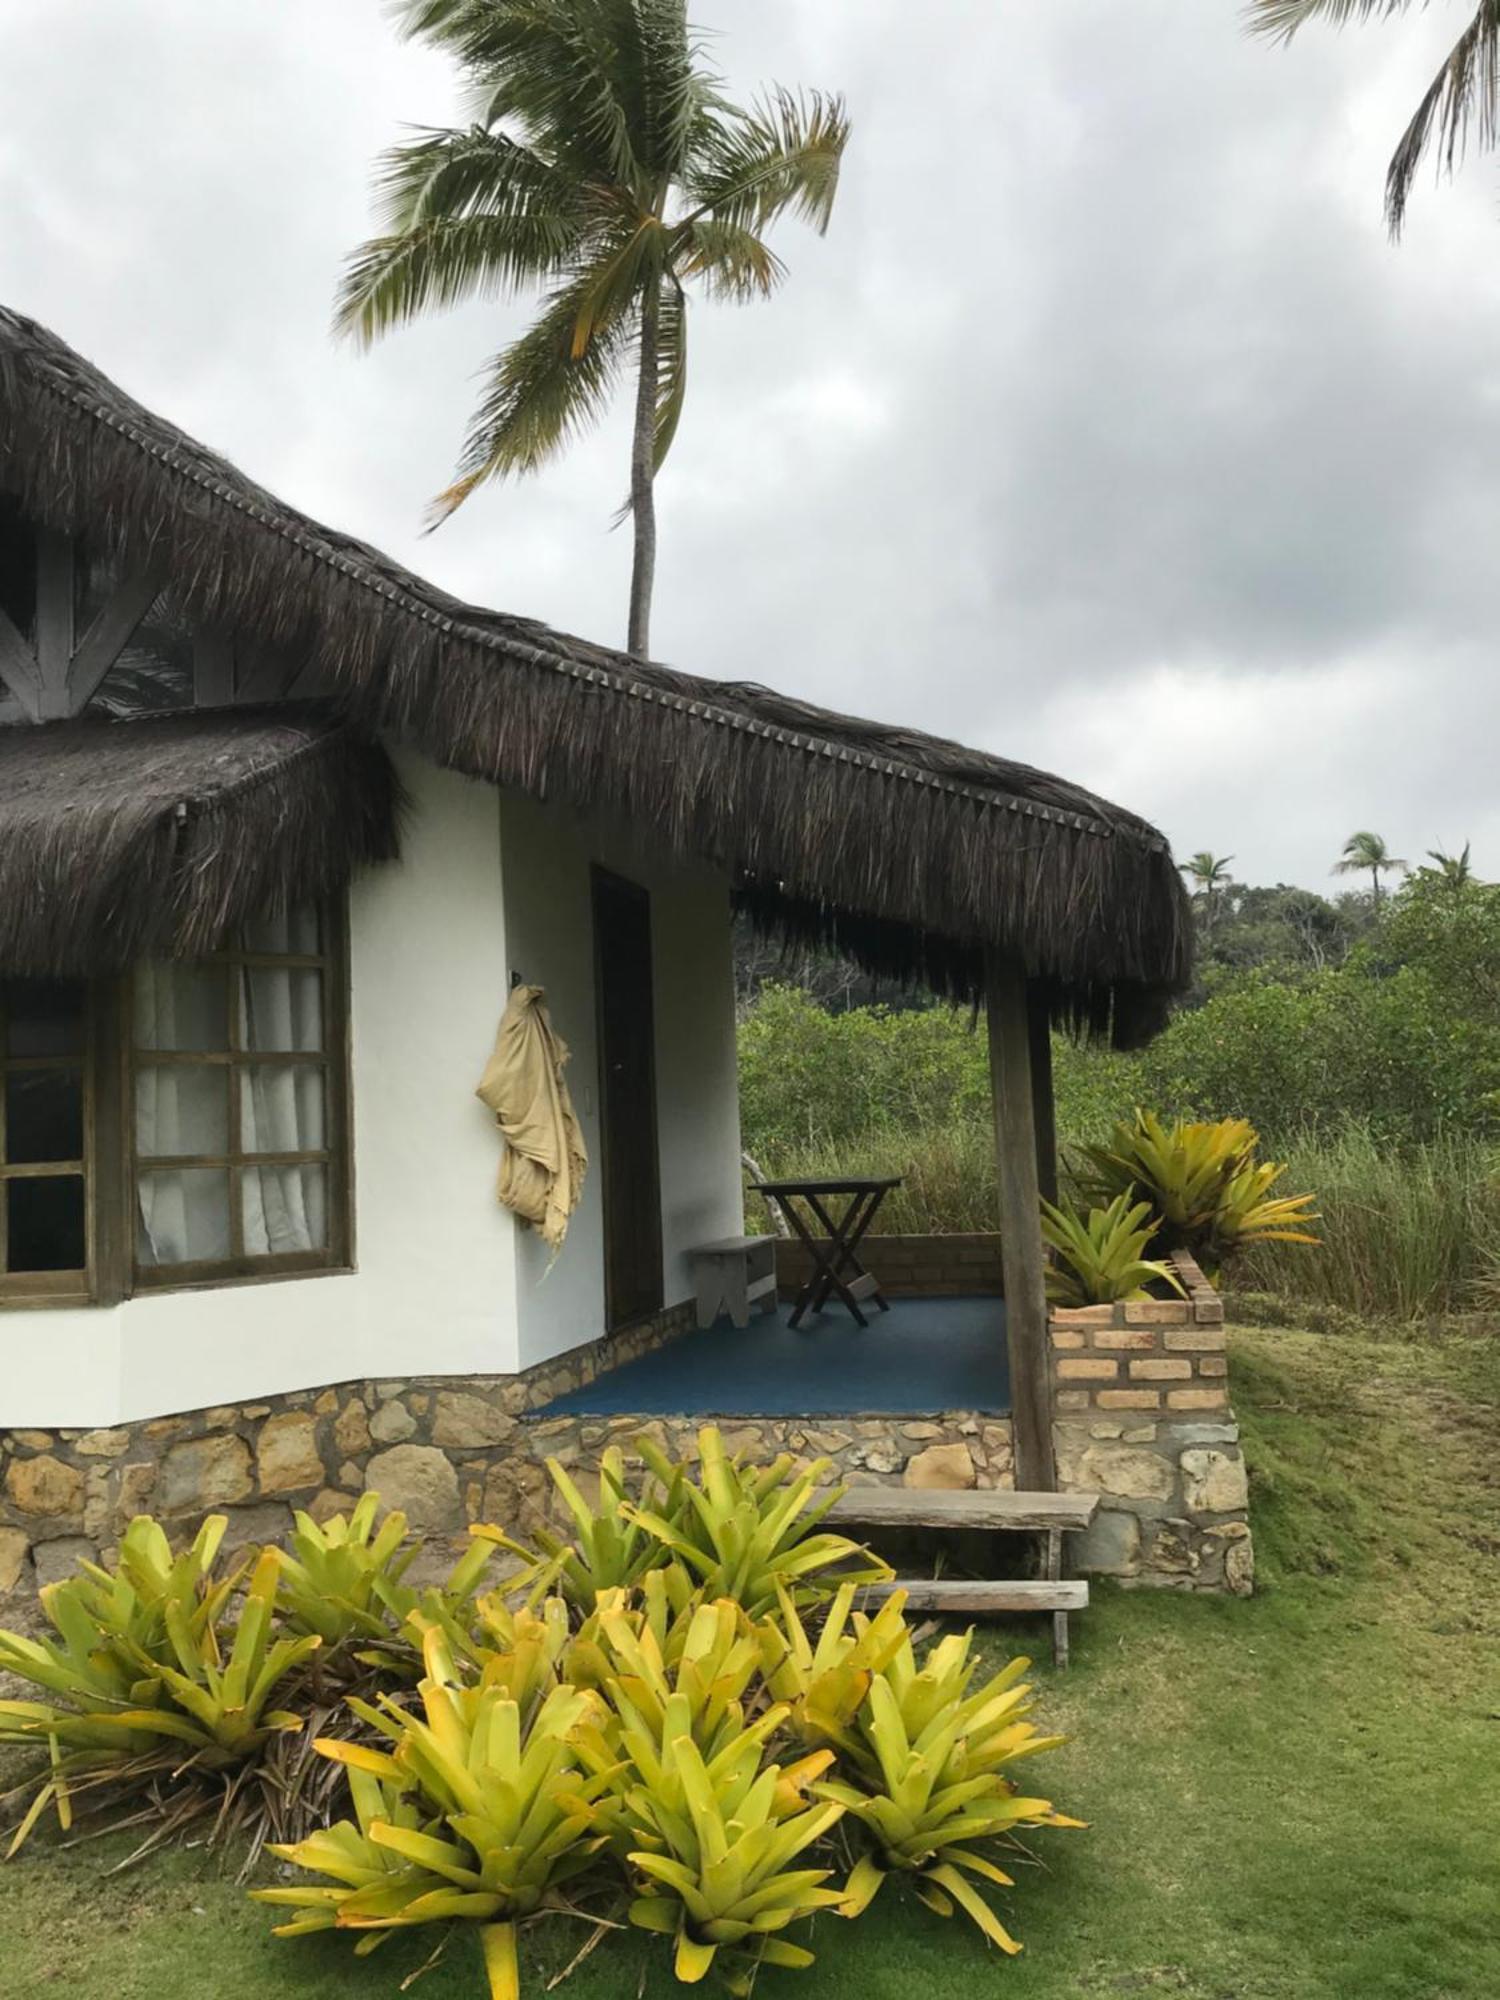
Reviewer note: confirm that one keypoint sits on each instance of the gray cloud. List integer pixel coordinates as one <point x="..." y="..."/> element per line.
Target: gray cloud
<point x="1104" y="428"/>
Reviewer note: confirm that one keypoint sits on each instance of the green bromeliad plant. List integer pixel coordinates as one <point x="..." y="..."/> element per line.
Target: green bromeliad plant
<point x="498" y="1816"/>
<point x="157" y="1658"/>
<point x="926" y="1775"/>
<point x="1101" y="1256"/>
<point x="1201" y="1181"/>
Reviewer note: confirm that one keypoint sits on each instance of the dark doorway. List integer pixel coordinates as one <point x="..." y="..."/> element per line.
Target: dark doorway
<point x="631" y="1170"/>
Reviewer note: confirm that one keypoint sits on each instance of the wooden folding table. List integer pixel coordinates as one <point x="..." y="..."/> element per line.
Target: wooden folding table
<point x="835" y="1254"/>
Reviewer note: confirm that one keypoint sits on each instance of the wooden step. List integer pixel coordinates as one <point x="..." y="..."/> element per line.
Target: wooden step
<point x="969" y="1594"/>
<point x="909" y="1507"/>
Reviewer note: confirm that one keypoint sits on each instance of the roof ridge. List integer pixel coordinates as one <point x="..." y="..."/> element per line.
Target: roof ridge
<point x="619" y="679"/>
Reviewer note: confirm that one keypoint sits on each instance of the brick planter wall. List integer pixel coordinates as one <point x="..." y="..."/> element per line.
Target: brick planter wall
<point x="1141" y="1415"/>
<point x="909" y="1266"/>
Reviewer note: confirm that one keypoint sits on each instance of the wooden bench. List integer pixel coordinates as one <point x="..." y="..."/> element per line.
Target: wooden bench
<point x="1049" y="1515"/>
<point x="733" y="1275"/>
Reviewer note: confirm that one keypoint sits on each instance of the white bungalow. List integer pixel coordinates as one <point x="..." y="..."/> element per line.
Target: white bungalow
<point x="240" y="1151"/>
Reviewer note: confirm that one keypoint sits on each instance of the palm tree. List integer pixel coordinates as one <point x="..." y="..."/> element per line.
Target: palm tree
<point x="604" y="166"/>
<point x="1454" y="871"/>
<point x="1367" y="854"/>
<point x="1210" y="874"/>
<point x="1465" y="92"/>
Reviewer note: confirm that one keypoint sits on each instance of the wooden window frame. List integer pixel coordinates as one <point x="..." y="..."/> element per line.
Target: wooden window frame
<point x="335" y="1156"/>
<point x="21" y="1290"/>
<point x="110" y="1166"/>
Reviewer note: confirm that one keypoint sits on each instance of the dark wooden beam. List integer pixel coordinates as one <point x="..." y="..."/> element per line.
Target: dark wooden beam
<point x="1043" y="1108"/>
<point x="110" y="633"/>
<point x="19" y="670"/>
<point x="1020" y="1224"/>
<point x="56" y="583"/>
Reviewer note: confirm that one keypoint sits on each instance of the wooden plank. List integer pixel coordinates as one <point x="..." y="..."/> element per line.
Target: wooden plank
<point x="213" y="668"/>
<point x="111" y="632"/>
<point x="1043" y="1105"/>
<point x="1020" y="1223"/>
<point x="730" y="1245"/>
<point x="958" y="1593"/>
<point x="864" y="1287"/>
<point x="19" y="669"/>
<point x="55" y="583"/>
<point x="909" y="1507"/>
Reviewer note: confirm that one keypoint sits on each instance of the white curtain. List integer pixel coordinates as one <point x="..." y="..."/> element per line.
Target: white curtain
<point x="181" y="1108"/>
<point x="285" y="1208"/>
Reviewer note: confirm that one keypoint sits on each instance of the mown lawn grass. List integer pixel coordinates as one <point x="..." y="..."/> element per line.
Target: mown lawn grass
<point x="1294" y="1796"/>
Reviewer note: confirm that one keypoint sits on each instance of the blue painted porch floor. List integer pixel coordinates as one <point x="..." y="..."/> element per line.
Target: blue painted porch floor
<point x="921" y="1357"/>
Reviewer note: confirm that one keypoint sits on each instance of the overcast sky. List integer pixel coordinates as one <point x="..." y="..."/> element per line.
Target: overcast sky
<point x="1104" y="430"/>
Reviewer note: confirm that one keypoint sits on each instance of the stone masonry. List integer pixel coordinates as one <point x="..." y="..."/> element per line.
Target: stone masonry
<point x="1142" y="1417"/>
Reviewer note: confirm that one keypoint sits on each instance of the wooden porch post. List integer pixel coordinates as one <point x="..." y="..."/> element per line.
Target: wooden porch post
<point x="1020" y="1223"/>
<point x="1043" y="1109"/>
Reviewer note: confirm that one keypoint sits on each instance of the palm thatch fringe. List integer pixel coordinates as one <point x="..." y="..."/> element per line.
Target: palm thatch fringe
<point x="909" y="852"/>
<point x="124" y="840"/>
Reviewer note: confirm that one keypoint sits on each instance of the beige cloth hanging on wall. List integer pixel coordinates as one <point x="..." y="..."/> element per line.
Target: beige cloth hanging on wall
<point x="545" y="1159"/>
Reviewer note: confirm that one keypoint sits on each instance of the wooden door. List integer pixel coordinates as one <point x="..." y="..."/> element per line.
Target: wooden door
<point x="630" y="1167"/>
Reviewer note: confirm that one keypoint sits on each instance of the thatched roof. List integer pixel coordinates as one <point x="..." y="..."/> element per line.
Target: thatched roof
<point x="121" y="840"/>
<point x="910" y="853"/>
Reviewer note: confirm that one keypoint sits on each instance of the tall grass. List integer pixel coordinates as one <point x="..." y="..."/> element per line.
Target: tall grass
<point x="1406" y="1234"/>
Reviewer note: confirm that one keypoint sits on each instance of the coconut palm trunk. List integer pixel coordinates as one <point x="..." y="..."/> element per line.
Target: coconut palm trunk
<point x="643" y="480"/>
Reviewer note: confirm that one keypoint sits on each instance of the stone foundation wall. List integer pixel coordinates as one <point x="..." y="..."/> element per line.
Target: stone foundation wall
<point x="1141" y="1416"/>
<point x="446" y="1450"/>
<point x="909" y="1266"/>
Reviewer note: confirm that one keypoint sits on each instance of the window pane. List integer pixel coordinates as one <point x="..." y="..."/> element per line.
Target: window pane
<point x="284" y="1209"/>
<point x="296" y="931"/>
<point x="283" y="1007"/>
<point x="181" y="1108"/>
<point x="43" y="1017"/>
<point x="44" y="1224"/>
<point x="281" y="1108"/>
<point x="182" y="1007"/>
<point x="43" y="1115"/>
<point x="184" y="1216"/>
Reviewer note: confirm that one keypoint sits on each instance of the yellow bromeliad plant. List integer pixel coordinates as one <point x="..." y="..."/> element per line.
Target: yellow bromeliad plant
<point x="149" y="1659"/>
<point x="926" y="1776"/>
<point x="503" y="1807"/>
<point x="743" y="1532"/>
<point x="706" y="1824"/>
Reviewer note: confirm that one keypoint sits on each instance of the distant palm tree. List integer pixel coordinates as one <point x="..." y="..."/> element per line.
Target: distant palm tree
<point x="1367" y="854"/>
<point x="1210" y="874"/>
<point x="604" y="165"/>
<point x="1456" y="871"/>
<point x="1464" y="93"/>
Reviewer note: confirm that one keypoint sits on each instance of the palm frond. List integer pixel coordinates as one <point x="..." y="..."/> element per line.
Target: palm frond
<point x="1465" y="93"/>
<point x="561" y="68"/>
<point x="671" y="368"/>
<point x="615" y="281"/>
<point x="453" y="172"/>
<point x="732" y="261"/>
<point x="540" y="394"/>
<point x="1282" y="18"/>
<point x="784" y="154"/>
<point x="468" y="214"/>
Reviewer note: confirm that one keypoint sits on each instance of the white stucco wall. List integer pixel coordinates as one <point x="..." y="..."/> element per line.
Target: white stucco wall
<point x="446" y="1281"/>
<point x="435" y="1285"/>
<point x="547" y="854"/>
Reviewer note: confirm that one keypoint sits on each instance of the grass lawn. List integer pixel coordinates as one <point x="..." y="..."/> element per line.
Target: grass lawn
<point x="1299" y="1795"/>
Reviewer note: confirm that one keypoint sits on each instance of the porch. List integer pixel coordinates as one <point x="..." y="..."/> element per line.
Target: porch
<point x="925" y="1356"/>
